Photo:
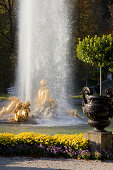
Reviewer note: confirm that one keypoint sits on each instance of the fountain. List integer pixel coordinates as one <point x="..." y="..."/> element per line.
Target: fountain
<point x="43" y="48"/>
<point x="44" y="34"/>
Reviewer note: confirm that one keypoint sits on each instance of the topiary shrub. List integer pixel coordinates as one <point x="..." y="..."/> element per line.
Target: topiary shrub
<point x="97" y="51"/>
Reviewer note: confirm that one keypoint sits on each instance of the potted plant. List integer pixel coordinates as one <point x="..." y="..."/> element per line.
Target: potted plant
<point x="97" y="51"/>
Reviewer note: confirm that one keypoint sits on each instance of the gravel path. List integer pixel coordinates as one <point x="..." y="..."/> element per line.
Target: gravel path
<point x="24" y="163"/>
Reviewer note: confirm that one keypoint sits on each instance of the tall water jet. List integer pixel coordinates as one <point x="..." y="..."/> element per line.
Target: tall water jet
<point x="25" y="49"/>
<point x="43" y="49"/>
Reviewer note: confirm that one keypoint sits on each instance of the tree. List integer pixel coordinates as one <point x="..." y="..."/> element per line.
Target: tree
<point x="97" y="51"/>
<point x="87" y="17"/>
<point x="7" y="43"/>
<point x="8" y="29"/>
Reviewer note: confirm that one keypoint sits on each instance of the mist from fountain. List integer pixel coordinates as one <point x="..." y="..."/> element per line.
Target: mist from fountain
<point x="44" y="34"/>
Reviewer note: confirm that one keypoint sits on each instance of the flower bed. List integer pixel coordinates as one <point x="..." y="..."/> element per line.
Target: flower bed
<point x="40" y="145"/>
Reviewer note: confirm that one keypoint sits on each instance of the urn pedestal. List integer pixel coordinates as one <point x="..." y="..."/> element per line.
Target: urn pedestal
<point x="99" y="140"/>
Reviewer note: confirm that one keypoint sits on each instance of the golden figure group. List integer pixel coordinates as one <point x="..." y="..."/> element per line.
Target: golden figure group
<point x="43" y="106"/>
<point x="21" y="110"/>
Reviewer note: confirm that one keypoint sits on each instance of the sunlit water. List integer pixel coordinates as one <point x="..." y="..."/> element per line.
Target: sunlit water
<point x="44" y="34"/>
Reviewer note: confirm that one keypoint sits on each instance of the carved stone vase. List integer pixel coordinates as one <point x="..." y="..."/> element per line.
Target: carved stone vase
<point x="98" y="109"/>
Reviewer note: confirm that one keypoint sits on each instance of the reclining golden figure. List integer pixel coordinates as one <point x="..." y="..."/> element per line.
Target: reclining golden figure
<point x="14" y="100"/>
<point x="74" y="113"/>
<point x="20" y="110"/>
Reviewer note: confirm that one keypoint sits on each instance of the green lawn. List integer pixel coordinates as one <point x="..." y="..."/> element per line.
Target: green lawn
<point x="4" y="98"/>
<point x="11" y="128"/>
<point x="77" y="97"/>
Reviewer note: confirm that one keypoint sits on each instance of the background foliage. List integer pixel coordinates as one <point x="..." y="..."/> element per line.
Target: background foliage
<point x="7" y="43"/>
<point x="86" y="18"/>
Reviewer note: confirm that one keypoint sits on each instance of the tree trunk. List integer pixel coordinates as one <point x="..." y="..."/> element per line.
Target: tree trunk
<point x="100" y="80"/>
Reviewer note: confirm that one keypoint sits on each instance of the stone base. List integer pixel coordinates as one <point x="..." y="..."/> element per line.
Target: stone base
<point x="30" y="120"/>
<point x="99" y="140"/>
<point x="45" y="110"/>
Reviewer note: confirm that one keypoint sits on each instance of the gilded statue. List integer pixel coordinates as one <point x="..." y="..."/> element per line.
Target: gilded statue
<point x="44" y="105"/>
<point x="74" y="113"/>
<point x="14" y="100"/>
<point x="19" y="109"/>
<point x="43" y="95"/>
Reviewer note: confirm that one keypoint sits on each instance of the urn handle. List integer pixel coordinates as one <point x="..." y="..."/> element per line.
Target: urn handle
<point x="85" y="92"/>
<point x="109" y="92"/>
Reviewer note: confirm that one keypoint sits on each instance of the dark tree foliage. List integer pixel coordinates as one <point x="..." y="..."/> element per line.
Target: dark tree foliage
<point x="89" y="17"/>
<point x="7" y="43"/>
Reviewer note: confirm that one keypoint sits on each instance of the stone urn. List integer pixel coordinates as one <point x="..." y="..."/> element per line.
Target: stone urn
<point x="98" y="109"/>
